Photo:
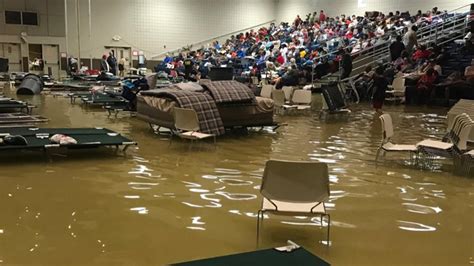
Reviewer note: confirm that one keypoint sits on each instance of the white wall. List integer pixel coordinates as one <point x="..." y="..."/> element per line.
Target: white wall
<point x="288" y="9"/>
<point x="337" y="7"/>
<point x="149" y="25"/>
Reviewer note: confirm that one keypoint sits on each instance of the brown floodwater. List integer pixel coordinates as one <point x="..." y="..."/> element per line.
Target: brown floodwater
<point x="162" y="204"/>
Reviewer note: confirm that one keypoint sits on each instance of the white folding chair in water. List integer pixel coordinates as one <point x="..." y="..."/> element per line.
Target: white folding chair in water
<point x="187" y="125"/>
<point x="460" y="133"/>
<point x="387" y="134"/>
<point x="266" y="91"/>
<point x="301" y="99"/>
<point x="288" y="90"/>
<point x="396" y="91"/>
<point x="467" y="164"/>
<point x="294" y="189"/>
<point x="278" y="97"/>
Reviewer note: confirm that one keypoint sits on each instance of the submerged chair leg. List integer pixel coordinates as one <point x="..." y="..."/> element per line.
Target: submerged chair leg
<point x="329" y="227"/>
<point x="377" y="155"/>
<point x="259" y="213"/>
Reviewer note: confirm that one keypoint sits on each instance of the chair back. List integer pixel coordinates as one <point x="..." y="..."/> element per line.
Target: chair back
<point x="266" y="91"/>
<point x="301" y="97"/>
<point x="278" y="97"/>
<point x="450" y="131"/>
<point x="288" y="90"/>
<point x="398" y="84"/>
<point x="299" y="182"/>
<point x="254" y="80"/>
<point x="185" y="119"/>
<point x="387" y="127"/>
<point x="462" y="137"/>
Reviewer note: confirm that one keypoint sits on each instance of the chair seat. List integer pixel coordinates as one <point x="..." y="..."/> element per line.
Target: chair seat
<point x="303" y="107"/>
<point x="286" y="106"/>
<point x="436" y="144"/>
<point x="470" y="153"/>
<point x="398" y="147"/>
<point x="195" y="135"/>
<point x="291" y="208"/>
<point x="396" y="92"/>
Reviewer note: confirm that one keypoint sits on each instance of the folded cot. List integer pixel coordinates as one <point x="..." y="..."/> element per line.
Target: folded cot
<point x="39" y="138"/>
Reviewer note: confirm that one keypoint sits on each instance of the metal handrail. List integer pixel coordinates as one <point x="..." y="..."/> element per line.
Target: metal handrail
<point x="451" y="11"/>
<point x="213" y="38"/>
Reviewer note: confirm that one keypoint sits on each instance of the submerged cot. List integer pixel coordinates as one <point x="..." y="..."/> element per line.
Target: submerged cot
<point x="10" y="104"/>
<point x="103" y="99"/>
<point x="7" y="119"/>
<point x="284" y="256"/>
<point x="39" y="138"/>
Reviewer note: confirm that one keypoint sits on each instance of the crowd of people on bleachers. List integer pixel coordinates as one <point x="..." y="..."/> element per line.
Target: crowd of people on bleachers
<point x="288" y="52"/>
<point x="431" y="75"/>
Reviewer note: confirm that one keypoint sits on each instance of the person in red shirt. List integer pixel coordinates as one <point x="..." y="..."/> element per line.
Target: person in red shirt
<point x="322" y="16"/>
<point x="349" y="34"/>
<point x="280" y="60"/>
<point x="425" y="84"/>
<point x="421" y="53"/>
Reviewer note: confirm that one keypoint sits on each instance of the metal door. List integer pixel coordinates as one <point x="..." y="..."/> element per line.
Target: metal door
<point x="51" y="59"/>
<point x="11" y="51"/>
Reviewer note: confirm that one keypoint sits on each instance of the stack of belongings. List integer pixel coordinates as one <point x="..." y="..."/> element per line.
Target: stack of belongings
<point x="219" y="105"/>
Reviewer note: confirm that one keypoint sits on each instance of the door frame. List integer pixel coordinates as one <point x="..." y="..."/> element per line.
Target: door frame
<point x="58" y="55"/>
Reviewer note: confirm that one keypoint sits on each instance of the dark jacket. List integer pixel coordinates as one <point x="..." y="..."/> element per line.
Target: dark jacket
<point x="396" y="50"/>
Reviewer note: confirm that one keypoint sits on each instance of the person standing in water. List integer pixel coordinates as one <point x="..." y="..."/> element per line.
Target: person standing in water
<point x="380" y="87"/>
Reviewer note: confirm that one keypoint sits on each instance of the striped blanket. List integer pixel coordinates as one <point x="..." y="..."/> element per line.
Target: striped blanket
<point x="229" y="91"/>
<point x="209" y="118"/>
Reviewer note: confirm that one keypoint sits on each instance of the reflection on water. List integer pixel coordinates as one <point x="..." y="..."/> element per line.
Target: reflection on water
<point x="97" y="208"/>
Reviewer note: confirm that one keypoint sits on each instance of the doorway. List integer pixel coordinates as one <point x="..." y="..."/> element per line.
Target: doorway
<point x="51" y="59"/>
<point x="122" y="52"/>
<point x="12" y="52"/>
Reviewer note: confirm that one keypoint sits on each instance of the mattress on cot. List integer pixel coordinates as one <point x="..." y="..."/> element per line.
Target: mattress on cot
<point x="158" y="111"/>
<point x="39" y="138"/>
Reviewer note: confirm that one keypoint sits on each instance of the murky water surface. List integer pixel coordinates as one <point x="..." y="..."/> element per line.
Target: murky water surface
<point x="162" y="204"/>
